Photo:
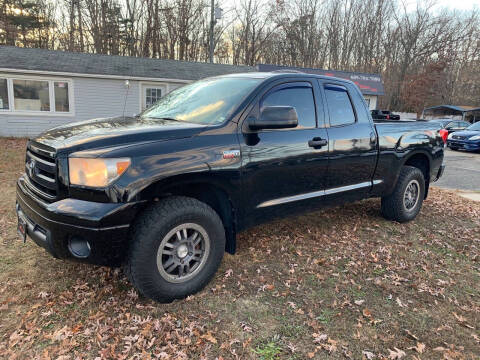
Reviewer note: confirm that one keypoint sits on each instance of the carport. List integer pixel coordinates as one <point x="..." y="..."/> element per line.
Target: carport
<point x="467" y="113"/>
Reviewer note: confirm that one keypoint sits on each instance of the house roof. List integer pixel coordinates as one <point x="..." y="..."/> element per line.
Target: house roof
<point x="459" y="108"/>
<point x="369" y="84"/>
<point x="53" y="61"/>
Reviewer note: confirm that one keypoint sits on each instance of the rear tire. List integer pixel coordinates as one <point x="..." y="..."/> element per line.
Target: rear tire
<point x="405" y="202"/>
<point x="177" y="246"/>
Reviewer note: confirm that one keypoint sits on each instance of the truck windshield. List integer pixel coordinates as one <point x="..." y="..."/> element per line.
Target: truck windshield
<point x="208" y="101"/>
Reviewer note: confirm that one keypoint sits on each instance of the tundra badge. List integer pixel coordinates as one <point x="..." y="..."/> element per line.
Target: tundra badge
<point x="231" y="154"/>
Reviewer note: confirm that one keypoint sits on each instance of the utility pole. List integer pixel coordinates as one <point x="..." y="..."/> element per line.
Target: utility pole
<point x="212" y="25"/>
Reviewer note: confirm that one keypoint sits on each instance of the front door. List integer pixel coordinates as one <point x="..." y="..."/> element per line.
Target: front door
<point x="280" y="169"/>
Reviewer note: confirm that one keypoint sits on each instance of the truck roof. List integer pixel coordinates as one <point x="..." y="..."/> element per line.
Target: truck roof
<point x="284" y="74"/>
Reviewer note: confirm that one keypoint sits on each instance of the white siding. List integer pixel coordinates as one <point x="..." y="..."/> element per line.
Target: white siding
<point x="371" y="101"/>
<point x="92" y="97"/>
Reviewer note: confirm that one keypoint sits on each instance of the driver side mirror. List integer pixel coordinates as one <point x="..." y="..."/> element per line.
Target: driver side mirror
<point x="274" y="117"/>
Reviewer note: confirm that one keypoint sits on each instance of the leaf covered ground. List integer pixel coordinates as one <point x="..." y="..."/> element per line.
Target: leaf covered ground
<point x="338" y="283"/>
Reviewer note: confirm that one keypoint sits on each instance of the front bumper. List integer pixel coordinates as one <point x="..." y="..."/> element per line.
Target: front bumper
<point x="53" y="226"/>
<point x="464" y="144"/>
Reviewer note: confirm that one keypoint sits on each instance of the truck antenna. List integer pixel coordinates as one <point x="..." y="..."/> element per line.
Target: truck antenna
<point x="127" y="85"/>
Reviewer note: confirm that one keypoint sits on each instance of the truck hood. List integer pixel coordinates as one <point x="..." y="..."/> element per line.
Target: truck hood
<point x="108" y="132"/>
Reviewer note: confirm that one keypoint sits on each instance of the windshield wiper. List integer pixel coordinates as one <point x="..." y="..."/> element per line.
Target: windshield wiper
<point x="162" y="118"/>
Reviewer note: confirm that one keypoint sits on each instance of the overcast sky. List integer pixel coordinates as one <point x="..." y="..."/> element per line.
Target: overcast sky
<point x="458" y="4"/>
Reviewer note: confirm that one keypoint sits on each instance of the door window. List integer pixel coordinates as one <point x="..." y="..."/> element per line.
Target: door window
<point x="339" y="105"/>
<point x="301" y="98"/>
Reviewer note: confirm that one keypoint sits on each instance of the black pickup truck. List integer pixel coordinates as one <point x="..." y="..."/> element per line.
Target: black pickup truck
<point x="384" y="115"/>
<point x="164" y="194"/>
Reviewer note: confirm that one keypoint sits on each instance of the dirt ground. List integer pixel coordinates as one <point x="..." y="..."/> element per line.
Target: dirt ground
<point x="338" y="283"/>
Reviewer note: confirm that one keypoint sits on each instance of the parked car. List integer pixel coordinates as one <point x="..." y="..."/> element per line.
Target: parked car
<point x="164" y="194"/>
<point x="384" y="115"/>
<point x="452" y="125"/>
<point x="468" y="139"/>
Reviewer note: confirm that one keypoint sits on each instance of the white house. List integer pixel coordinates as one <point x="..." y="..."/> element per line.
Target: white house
<point x="40" y="89"/>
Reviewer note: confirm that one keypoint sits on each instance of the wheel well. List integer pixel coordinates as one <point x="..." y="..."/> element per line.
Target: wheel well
<point x="213" y="196"/>
<point x="421" y="162"/>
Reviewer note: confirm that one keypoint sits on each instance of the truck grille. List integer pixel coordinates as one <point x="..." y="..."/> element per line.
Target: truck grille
<point x="41" y="171"/>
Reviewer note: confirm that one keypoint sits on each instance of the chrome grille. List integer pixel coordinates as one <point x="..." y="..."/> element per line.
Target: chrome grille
<point x="41" y="171"/>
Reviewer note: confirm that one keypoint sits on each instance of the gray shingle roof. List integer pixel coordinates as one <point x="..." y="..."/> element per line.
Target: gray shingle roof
<point x="69" y="62"/>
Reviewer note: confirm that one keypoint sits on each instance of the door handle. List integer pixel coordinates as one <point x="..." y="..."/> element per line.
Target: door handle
<point x="373" y="138"/>
<point x="317" y="142"/>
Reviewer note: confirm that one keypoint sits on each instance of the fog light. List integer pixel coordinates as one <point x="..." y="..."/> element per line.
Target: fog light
<point x="79" y="248"/>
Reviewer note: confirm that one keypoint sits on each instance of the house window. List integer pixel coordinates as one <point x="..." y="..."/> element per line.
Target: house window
<point x="36" y="96"/>
<point x="3" y="94"/>
<point x="151" y="93"/>
<point x="31" y="95"/>
<point x="61" y="96"/>
<point x="152" y="96"/>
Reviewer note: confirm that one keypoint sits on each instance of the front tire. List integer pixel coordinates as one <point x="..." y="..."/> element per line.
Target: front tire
<point x="177" y="246"/>
<point x="405" y="202"/>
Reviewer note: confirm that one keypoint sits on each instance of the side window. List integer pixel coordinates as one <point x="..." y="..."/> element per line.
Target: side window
<point x="451" y="124"/>
<point x="339" y="105"/>
<point x="301" y="98"/>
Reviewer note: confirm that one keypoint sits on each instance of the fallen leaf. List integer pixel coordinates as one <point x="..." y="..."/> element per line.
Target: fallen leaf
<point x="367" y="313"/>
<point x="411" y="335"/>
<point x="400" y="303"/>
<point x="209" y="337"/>
<point x="419" y="348"/>
<point x="396" y="354"/>
<point x="359" y="302"/>
<point x="319" y="337"/>
<point x="463" y="321"/>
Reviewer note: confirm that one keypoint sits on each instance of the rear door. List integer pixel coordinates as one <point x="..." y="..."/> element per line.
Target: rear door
<point x="352" y="142"/>
<point x="281" y="168"/>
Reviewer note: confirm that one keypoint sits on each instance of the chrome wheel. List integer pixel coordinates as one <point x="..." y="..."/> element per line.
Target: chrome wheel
<point x="411" y="195"/>
<point x="183" y="252"/>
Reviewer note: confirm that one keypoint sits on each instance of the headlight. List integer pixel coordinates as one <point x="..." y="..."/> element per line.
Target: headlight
<point x="96" y="172"/>
<point x="450" y="135"/>
<point x="476" y="137"/>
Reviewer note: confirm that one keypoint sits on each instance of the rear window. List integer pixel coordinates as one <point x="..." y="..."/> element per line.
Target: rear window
<point x="339" y="105"/>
